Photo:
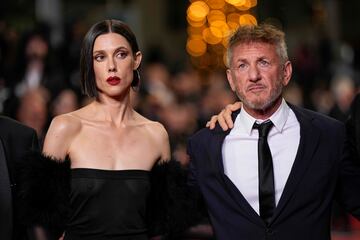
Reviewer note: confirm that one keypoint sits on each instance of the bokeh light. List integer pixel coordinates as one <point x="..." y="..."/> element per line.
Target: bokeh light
<point x="197" y="11"/>
<point x="247" y="19"/>
<point x="196" y="47"/>
<point x="211" y="22"/>
<point x="216" y="4"/>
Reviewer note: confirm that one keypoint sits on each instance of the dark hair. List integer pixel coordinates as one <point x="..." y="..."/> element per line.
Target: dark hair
<point x="88" y="83"/>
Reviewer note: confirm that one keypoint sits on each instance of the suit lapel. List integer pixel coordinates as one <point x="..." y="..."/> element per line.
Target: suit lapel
<point x="216" y="161"/>
<point x="5" y="197"/>
<point x="309" y="139"/>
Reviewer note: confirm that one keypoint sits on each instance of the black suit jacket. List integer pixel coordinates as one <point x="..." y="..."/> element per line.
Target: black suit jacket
<point x="353" y="128"/>
<point x="15" y="141"/>
<point x="322" y="171"/>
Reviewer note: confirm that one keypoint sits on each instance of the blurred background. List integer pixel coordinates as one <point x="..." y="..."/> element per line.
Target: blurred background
<point x="183" y="79"/>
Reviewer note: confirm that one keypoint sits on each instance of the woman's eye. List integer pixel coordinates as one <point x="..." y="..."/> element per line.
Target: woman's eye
<point x="99" y="58"/>
<point x="122" y="55"/>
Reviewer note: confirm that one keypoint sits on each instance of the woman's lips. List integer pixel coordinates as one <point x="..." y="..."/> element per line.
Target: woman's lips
<point x="113" y="80"/>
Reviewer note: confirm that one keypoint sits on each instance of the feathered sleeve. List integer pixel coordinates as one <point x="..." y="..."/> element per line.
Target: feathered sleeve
<point x="172" y="206"/>
<point x="43" y="192"/>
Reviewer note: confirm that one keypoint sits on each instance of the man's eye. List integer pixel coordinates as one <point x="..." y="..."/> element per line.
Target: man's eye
<point x="264" y="63"/>
<point x="242" y="66"/>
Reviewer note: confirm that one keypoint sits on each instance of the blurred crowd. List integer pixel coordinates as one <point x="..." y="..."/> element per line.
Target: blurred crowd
<point x="39" y="81"/>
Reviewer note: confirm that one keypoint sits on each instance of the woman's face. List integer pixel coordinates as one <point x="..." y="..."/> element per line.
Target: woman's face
<point x="114" y="63"/>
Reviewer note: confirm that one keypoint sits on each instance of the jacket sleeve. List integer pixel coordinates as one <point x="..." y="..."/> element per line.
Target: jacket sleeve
<point x="349" y="180"/>
<point x="43" y="192"/>
<point x="353" y="128"/>
<point x="172" y="206"/>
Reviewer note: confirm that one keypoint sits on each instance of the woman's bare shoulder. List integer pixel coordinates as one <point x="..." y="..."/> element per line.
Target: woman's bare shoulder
<point x="63" y="129"/>
<point x="66" y="123"/>
<point x="154" y="127"/>
<point x="159" y="136"/>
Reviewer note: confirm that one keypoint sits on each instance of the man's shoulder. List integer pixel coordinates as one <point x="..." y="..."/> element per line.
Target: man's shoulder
<point x="317" y="118"/>
<point x="11" y="126"/>
<point x="203" y="134"/>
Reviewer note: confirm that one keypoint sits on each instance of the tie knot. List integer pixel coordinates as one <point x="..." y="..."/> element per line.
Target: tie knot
<point x="263" y="128"/>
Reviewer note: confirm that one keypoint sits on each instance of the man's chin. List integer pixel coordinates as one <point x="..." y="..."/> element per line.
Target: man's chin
<point x="256" y="105"/>
<point x="259" y="105"/>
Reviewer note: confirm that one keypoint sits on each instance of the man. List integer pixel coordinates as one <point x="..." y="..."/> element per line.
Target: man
<point x="15" y="141"/>
<point x="275" y="174"/>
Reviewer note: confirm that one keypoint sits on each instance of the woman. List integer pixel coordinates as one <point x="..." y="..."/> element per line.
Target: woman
<point x="110" y="147"/>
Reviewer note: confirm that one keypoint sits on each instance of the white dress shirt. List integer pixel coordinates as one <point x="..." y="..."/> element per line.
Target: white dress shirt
<point x="240" y="154"/>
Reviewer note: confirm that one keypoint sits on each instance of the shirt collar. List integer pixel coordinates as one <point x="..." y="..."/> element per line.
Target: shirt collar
<point x="245" y="121"/>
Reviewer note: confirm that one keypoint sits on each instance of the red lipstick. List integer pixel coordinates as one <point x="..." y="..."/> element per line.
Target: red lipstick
<point x="113" y="80"/>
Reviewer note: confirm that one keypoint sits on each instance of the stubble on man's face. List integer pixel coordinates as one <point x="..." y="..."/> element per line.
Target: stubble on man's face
<point x="258" y="75"/>
<point x="259" y="104"/>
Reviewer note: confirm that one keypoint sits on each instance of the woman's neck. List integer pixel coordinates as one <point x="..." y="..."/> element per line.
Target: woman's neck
<point x="113" y="110"/>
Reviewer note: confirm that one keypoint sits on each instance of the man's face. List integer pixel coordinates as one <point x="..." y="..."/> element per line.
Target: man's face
<point x="257" y="75"/>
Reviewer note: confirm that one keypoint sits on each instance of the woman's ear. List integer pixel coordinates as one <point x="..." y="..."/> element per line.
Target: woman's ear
<point x="138" y="58"/>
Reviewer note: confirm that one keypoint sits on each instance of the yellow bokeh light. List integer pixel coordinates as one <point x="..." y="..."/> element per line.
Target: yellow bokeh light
<point x="196" y="23"/>
<point x="196" y="47"/>
<point x="233" y="21"/>
<point x="253" y="3"/>
<point x="210" y="37"/>
<point x="233" y="26"/>
<point x="210" y="25"/>
<point x="246" y="5"/>
<point x="215" y="15"/>
<point x="195" y="30"/>
<point x="197" y="11"/>
<point x="222" y="26"/>
<point x="236" y="2"/>
<point x="233" y="17"/>
<point x="216" y="4"/>
<point x="247" y="19"/>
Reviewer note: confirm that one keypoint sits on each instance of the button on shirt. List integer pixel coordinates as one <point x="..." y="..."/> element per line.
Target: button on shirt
<point x="240" y="155"/>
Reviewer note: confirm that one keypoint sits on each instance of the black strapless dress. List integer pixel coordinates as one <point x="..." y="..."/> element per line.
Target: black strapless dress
<point x="108" y="204"/>
<point x="91" y="204"/>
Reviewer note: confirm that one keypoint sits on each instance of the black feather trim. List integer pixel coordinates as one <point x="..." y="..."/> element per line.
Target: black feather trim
<point x="43" y="192"/>
<point x="172" y="206"/>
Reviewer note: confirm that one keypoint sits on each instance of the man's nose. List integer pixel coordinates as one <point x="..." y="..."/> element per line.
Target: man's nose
<point x="254" y="73"/>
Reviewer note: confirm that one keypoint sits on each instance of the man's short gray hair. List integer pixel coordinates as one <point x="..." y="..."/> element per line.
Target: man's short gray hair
<point x="264" y="33"/>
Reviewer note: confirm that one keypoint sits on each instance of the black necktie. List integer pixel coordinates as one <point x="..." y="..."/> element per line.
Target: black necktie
<point x="266" y="172"/>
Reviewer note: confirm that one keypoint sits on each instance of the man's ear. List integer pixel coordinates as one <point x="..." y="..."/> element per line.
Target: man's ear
<point x="287" y="72"/>
<point x="230" y="79"/>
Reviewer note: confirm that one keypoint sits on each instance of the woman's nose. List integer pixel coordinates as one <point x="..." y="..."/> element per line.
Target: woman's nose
<point x="112" y="66"/>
